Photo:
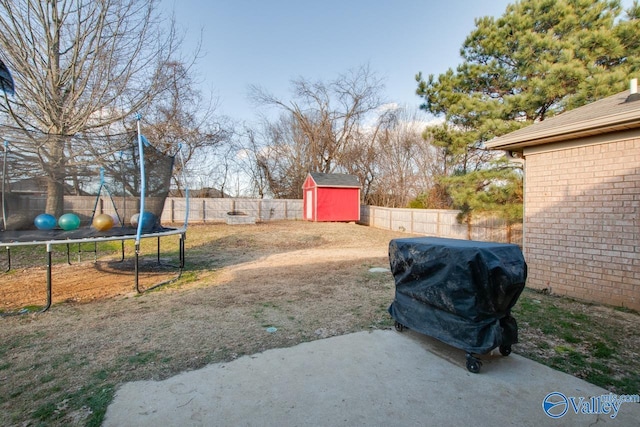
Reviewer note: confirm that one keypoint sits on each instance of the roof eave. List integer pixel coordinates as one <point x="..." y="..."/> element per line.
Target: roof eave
<point x="337" y="186"/>
<point x="607" y="124"/>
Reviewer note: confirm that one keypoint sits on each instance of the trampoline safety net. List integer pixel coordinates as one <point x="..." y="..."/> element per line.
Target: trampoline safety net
<point x="38" y="166"/>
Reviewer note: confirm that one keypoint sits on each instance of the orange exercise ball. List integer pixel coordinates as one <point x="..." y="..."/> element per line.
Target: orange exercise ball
<point x="103" y="222"/>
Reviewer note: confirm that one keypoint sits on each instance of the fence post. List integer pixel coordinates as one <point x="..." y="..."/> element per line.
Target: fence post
<point x="411" y="223"/>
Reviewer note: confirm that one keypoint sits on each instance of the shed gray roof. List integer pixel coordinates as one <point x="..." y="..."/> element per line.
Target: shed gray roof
<point x="335" y="180"/>
<point x="606" y="115"/>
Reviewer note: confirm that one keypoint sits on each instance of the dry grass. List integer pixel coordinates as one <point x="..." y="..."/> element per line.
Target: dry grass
<point x="309" y="280"/>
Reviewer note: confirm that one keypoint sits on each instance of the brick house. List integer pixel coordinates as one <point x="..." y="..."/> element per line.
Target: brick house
<point x="582" y="200"/>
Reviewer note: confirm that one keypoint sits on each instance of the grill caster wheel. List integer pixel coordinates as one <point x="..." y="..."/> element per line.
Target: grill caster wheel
<point x="400" y="327"/>
<point x="505" y="350"/>
<point x="473" y="364"/>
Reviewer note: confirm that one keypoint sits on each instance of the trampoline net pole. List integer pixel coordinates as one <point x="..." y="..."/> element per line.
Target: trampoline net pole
<point x="4" y="177"/>
<point x="142" y="188"/>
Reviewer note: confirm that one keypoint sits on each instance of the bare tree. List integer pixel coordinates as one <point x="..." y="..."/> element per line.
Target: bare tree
<point x="249" y="155"/>
<point x="407" y="162"/>
<point x="283" y="159"/>
<point x="323" y="119"/>
<point x="180" y="117"/>
<point x="362" y="156"/>
<point x="79" y="66"/>
<point x="391" y="159"/>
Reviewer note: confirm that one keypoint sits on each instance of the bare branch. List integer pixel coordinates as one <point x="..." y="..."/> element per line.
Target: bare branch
<point x="80" y="65"/>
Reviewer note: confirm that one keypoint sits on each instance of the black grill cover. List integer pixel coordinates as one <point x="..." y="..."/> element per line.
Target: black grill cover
<point x="458" y="291"/>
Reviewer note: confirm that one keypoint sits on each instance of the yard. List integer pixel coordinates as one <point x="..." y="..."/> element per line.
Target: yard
<point x="308" y="280"/>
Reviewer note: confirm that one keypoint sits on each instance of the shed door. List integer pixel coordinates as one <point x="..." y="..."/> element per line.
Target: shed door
<point x="309" y="204"/>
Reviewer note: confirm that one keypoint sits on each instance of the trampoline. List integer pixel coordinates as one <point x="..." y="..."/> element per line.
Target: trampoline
<point x="115" y="176"/>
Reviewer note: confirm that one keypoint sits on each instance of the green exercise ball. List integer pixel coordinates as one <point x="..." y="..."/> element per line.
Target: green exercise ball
<point x="69" y="222"/>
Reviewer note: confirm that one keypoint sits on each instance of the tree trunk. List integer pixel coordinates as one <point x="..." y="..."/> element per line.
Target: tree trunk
<point x="55" y="197"/>
<point x="56" y="174"/>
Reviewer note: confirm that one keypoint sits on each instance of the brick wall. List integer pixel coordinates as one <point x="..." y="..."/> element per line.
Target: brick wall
<point x="582" y="225"/>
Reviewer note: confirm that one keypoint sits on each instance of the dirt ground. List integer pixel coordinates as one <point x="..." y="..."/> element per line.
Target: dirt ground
<point x="84" y="279"/>
<point x="306" y="280"/>
<point x="80" y="280"/>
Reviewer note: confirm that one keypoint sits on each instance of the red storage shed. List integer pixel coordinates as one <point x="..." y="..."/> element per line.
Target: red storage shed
<point x="331" y="197"/>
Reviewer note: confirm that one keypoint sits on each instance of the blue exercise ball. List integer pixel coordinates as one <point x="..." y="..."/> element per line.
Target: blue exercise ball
<point x="149" y="220"/>
<point x="45" y="221"/>
<point x="69" y="221"/>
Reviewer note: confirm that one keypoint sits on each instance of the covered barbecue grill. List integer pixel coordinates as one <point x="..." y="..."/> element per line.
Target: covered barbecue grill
<point x="458" y="291"/>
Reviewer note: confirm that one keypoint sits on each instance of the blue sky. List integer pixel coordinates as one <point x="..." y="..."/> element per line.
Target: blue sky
<point x="270" y="42"/>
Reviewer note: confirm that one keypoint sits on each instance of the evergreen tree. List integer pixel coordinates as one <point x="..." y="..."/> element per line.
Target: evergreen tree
<point x="539" y="59"/>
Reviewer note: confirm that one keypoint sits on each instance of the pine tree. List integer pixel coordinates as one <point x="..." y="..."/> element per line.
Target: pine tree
<point x="540" y="58"/>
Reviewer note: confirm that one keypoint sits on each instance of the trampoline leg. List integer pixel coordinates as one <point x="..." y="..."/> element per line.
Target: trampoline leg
<point x="8" y="260"/>
<point x="181" y="264"/>
<point x="136" y="269"/>
<point x="182" y="238"/>
<point x="46" y="307"/>
<point x="122" y="247"/>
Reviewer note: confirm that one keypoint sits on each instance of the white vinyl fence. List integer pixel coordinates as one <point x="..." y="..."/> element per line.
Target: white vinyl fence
<point x="428" y="222"/>
<point x="441" y="223"/>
